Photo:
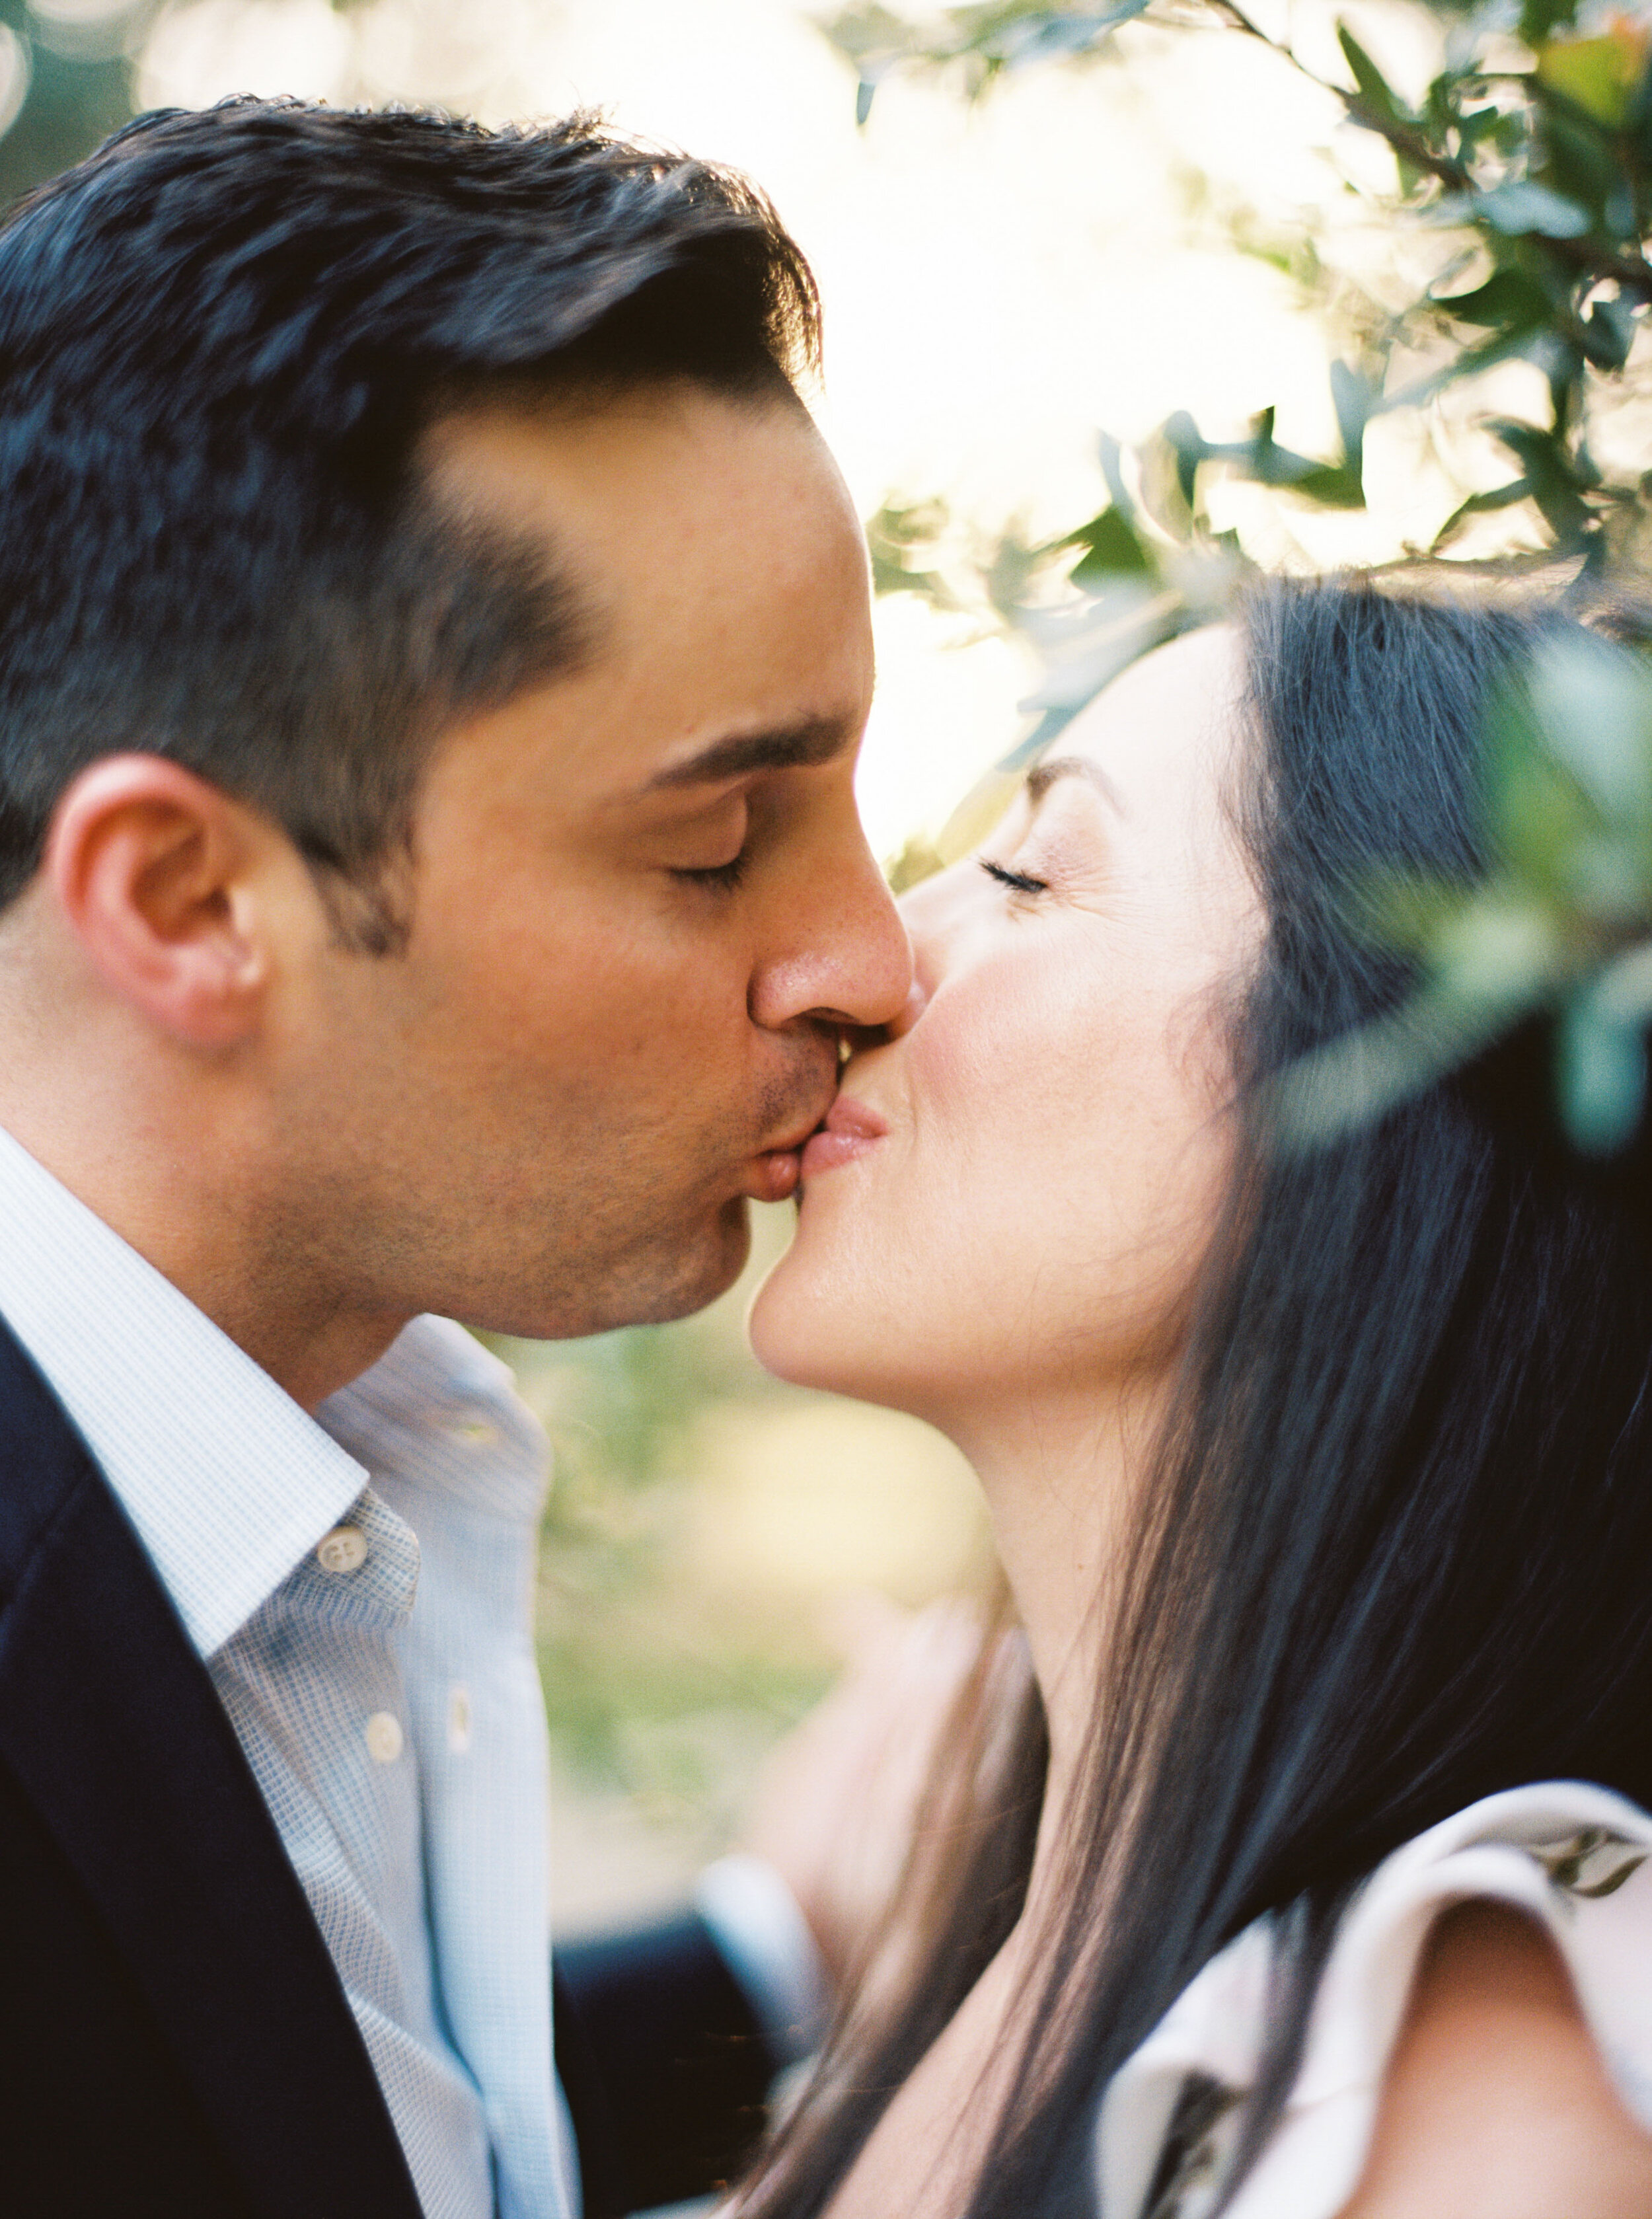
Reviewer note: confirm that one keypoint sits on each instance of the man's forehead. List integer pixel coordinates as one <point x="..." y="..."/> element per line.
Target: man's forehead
<point x="603" y="459"/>
<point x="724" y="629"/>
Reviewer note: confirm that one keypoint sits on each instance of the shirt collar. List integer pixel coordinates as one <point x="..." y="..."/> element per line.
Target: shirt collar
<point x="441" y="1413"/>
<point x="226" y="1480"/>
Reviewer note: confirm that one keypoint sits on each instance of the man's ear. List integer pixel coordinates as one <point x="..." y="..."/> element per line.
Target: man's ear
<point x="153" y="870"/>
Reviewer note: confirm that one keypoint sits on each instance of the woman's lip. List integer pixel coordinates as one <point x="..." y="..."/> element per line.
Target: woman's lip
<point x="848" y="1130"/>
<point x="847" y="1116"/>
<point x="775" y="1172"/>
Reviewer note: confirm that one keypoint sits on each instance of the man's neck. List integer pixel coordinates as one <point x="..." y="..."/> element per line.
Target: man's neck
<point x="241" y="1260"/>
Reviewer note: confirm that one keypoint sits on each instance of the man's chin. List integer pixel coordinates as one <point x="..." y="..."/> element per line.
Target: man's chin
<point x="715" y="1262"/>
<point x="650" y="1286"/>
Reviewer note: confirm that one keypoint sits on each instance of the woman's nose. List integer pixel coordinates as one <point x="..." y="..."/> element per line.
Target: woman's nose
<point x="935" y="913"/>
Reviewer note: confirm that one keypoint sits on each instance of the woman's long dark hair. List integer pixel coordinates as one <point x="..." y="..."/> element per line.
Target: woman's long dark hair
<point x="1399" y="1552"/>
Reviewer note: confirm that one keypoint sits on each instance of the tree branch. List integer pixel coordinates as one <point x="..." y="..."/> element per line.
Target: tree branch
<point x="1410" y="144"/>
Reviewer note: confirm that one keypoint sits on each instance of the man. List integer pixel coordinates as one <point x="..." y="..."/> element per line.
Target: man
<point x="433" y="648"/>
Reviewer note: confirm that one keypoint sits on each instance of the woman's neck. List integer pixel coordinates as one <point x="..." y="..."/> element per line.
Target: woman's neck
<point x="1062" y="1474"/>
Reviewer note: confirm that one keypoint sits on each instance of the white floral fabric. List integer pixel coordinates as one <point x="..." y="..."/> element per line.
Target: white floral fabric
<point x="1576" y="1858"/>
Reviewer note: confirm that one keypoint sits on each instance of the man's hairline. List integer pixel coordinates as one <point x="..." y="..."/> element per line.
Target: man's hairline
<point x="541" y="398"/>
<point x="546" y="394"/>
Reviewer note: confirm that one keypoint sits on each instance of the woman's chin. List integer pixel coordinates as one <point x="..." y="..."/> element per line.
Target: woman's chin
<point x="810" y="1326"/>
<point x="778" y="1322"/>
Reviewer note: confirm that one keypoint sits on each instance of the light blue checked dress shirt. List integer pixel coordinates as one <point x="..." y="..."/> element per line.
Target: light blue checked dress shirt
<point x="360" y="1589"/>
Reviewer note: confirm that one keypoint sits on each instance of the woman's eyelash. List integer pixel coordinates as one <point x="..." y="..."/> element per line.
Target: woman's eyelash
<point x="1018" y="880"/>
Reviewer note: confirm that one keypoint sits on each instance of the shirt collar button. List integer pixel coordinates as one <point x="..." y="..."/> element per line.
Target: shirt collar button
<point x="344" y="1549"/>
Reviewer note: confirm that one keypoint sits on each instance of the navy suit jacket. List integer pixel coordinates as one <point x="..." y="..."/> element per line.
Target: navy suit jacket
<point x="174" y="2040"/>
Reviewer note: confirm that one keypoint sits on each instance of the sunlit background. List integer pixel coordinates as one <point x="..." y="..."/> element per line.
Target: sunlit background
<point x="1001" y="280"/>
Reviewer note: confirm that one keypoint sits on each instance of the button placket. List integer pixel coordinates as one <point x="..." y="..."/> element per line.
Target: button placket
<point x="384" y="1735"/>
<point x="469" y="1429"/>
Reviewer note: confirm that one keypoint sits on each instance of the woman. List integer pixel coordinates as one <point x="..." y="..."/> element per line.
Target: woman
<point x="1322" y="1481"/>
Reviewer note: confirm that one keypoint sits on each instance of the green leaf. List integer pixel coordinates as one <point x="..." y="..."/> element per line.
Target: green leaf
<point x="871" y="34"/>
<point x="1600" y="76"/>
<point x="1111" y="456"/>
<point x="1353" y="397"/>
<point x="1638" y="122"/>
<point x="1580" y="157"/>
<point x="1608" y="333"/>
<point x="1056" y="35"/>
<point x="897" y="537"/>
<point x="1374" y="88"/>
<point x="1539" y="17"/>
<point x="1557" y="479"/>
<point x="1602" y="1078"/>
<point x="1478" y="504"/>
<point x="1594" y="703"/>
<point x="1521" y="208"/>
<point x="1188" y="445"/>
<point x="1111" y="549"/>
<point x="1333" y="485"/>
<point x="1509" y="299"/>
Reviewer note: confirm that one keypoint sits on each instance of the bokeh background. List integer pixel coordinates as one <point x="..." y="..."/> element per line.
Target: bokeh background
<point x="1172" y="225"/>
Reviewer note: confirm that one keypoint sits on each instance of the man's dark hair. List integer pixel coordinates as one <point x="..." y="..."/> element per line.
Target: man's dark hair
<point x="222" y="336"/>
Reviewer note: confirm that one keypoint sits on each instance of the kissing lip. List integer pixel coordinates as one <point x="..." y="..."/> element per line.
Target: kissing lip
<point x="777" y="1170"/>
<point x="847" y="1130"/>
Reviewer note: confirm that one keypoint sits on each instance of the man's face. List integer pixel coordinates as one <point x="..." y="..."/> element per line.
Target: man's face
<point x="641" y="899"/>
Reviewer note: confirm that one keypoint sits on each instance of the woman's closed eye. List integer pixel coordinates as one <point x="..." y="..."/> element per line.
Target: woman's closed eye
<point x="1020" y="882"/>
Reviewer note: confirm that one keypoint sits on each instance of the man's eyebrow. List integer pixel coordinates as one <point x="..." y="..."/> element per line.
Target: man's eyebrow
<point x="1043" y="776"/>
<point x="794" y="747"/>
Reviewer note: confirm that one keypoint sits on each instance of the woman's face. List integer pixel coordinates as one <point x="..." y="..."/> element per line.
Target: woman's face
<point x="1016" y="1191"/>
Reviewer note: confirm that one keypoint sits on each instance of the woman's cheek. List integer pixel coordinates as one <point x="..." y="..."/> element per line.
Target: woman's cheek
<point x="1008" y="1094"/>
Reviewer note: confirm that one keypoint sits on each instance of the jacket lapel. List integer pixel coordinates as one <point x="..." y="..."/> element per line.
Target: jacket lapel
<point x="112" y="1725"/>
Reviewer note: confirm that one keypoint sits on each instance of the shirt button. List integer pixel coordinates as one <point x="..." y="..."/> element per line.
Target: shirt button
<point x="384" y="1737"/>
<point x="474" y="1433"/>
<point x="344" y="1549"/>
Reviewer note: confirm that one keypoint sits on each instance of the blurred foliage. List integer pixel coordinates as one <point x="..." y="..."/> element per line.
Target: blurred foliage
<point x="1526" y="160"/>
<point x="648" y="1684"/>
<point x="67" y="83"/>
<point x="67" y="80"/>
<point x="1558" y="929"/>
<point x="702" y="1519"/>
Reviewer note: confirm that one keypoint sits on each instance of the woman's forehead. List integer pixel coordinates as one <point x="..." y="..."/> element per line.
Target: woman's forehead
<point x="1165" y="727"/>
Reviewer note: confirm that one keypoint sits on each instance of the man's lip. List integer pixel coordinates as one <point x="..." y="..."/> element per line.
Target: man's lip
<point x="847" y="1130"/>
<point x="773" y="1175"/>
<point x="775" y="1170"/>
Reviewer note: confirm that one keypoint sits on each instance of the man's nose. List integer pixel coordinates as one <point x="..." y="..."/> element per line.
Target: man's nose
<point x="849" y="962"/>
<point x="917" y="995"/>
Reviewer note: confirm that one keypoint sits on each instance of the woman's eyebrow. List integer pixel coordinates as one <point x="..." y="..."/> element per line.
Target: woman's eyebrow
<point x="1043" y="776"/>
